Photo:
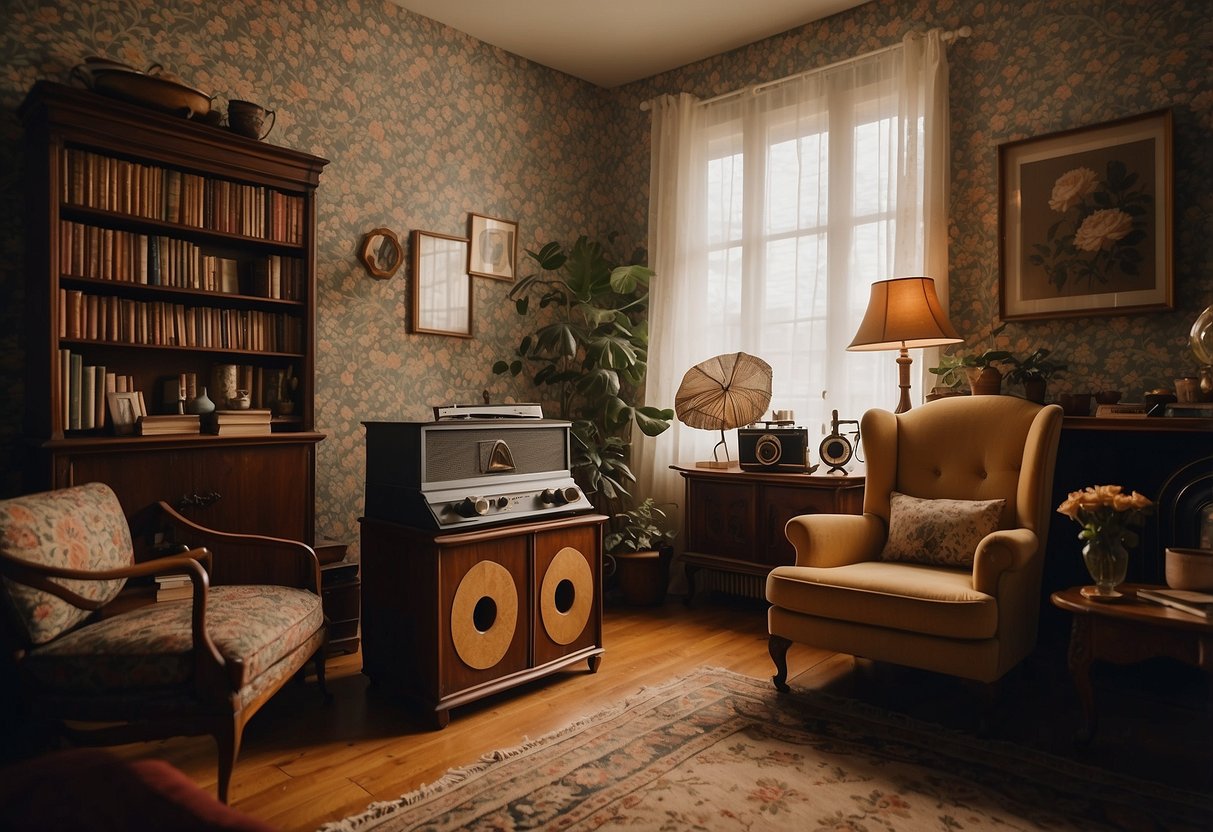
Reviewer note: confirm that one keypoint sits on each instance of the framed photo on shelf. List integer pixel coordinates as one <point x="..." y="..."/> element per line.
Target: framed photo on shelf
<point x="1085" y="220"/>
<point x="442" y="287"/>
<point x="493" y="249"/>
<point x="125" y="410"/>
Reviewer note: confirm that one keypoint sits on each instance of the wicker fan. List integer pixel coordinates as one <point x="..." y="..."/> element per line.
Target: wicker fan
<point x="723" y="393"/>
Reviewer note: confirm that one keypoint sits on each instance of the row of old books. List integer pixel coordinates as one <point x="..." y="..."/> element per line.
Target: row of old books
<point x="84" y="316"/>
<point x="97" y="181"/>
<point x="125" y="256"/>
<point x="83" y="398"/>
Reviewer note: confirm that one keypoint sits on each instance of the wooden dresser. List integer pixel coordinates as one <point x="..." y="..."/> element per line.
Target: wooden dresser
<point x="734" y="519"/>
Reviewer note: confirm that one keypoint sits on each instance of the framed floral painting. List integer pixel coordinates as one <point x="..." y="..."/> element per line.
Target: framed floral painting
<point x="1085" y="220"/>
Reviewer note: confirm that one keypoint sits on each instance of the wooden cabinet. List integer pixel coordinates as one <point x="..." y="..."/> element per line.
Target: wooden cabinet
<point x="448" y="618"/>
<point x="157" y="247"/>
<point x="734" y="519"/>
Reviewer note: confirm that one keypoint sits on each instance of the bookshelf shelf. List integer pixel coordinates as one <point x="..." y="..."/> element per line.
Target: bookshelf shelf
<point x="164" y="252"/>
<point x="128" y="222"/>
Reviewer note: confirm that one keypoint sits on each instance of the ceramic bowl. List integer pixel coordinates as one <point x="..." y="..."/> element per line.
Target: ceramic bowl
<point x="1190" y="569"/>
<point x="1108" y="396"/>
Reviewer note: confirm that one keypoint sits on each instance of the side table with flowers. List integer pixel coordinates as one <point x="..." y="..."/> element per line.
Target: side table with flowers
<point x="1107" y="516"/>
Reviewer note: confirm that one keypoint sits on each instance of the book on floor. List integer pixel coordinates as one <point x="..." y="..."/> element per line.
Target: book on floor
<point x="174" y="593"/>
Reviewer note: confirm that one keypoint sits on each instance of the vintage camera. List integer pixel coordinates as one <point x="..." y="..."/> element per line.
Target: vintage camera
<point x="779" y="449"/>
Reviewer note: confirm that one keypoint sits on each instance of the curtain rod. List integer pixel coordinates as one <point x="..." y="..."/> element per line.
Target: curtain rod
<point x="946" y="37"/>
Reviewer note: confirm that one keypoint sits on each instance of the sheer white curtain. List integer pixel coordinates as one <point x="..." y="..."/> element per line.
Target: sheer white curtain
<point x="770" y="215"/>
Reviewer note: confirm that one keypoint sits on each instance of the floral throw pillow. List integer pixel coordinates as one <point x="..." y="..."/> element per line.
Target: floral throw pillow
<point x="938" y="532"/>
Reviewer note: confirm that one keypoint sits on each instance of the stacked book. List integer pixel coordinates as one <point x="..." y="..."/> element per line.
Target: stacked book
<point x="173" y="587"/>
<point x="172" y="423"/>
<point x="240" y="422"/>
<point x="1190" y="601"/>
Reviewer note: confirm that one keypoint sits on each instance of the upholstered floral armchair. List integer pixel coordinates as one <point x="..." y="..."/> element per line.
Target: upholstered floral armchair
<point x="201" y="665"/>
<point x="942" y="570"/>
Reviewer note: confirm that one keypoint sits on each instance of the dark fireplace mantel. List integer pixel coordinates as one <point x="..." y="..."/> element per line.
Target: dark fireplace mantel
<point x="1162" y="457"/>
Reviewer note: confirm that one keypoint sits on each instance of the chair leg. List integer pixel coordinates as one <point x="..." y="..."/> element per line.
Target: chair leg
<point x="227" y="737"/>
<point x="778" y="646"/>
<point x="318" y="663"/>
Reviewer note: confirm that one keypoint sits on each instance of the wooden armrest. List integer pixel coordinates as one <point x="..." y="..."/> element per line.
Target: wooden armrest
<point x="290" y="562"/>
<point x="208" y="663"/>
<point x="38" y="575"/>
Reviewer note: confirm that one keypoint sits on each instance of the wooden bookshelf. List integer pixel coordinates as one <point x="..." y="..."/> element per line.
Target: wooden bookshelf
<point x="161" y="248"/>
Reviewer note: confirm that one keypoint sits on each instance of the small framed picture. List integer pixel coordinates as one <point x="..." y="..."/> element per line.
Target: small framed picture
<point x="493" y="248"/>
<point x="442" y="288"/>
<point x="1085" y="220"/>
<point x="125" y="410"/>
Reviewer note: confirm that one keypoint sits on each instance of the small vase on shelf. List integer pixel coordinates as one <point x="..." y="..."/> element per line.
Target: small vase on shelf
<point x="201" y="405"/>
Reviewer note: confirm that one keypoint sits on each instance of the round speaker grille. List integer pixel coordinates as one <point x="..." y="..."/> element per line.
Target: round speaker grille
<point x="567" y="595"/>
<point x="484" y="615"/>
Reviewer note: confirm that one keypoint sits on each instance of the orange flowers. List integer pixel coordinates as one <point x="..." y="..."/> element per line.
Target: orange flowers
<point x="1105" y="512"/>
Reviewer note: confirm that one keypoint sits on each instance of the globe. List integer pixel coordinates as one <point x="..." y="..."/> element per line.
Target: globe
<point x="1202" y="337"/>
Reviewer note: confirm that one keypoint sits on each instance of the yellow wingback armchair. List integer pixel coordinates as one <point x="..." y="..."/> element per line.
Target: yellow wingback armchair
<point x="942" y="571"/>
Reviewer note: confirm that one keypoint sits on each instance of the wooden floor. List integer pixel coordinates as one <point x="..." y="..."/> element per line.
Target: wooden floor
<point x="304" y="763"/>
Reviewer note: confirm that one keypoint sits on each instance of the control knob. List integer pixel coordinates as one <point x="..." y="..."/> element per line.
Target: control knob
<point x="559" y="496"/>
<point x="472" y="506"/>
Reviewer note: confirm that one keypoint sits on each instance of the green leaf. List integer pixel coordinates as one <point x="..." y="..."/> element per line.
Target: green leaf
<point x="626" y="279"/>
<point x="551" y="257"/>
<point x="500" y="367"/>
<point x="653" y="422"/>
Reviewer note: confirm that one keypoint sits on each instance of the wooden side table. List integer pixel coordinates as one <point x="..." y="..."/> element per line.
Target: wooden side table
<point x="734" y="519"/>
<point x="1124" y="632"/>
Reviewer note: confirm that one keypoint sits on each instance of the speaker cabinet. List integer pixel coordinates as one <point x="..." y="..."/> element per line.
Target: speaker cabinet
<point x="451" y="617"/>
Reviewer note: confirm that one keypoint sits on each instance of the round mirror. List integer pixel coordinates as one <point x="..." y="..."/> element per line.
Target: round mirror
<point x="381" y="253"/>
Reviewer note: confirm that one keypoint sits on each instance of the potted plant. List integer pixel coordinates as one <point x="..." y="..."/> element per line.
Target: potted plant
<point x="589" y="353"/>
<point x="985" y="378"/>
<point x="1034" y="372"/>
<point x="980" y="369"/>
<point x="639" y="545"/>
<point x="951" y="373"/>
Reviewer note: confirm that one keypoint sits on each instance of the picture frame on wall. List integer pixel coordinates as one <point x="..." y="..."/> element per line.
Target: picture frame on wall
<point x="493" y="247"/>
<point x="442" y="287"/>
<point x="1085" y="220"/>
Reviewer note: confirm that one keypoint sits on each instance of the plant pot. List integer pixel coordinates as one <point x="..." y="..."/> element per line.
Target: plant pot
<point x="988" y="382"/>
<point x="1034" y="390"/>
<point x="642" y="577"/>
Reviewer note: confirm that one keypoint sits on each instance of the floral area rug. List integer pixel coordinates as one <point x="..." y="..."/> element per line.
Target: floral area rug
<point x="719" y="751"/>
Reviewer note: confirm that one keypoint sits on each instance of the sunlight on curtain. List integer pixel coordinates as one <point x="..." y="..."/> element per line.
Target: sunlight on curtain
<point x="771" y="214"/>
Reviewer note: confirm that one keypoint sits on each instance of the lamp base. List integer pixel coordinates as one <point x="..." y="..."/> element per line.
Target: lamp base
<point x="903" y="379"/>
<point x="714" y="463"/>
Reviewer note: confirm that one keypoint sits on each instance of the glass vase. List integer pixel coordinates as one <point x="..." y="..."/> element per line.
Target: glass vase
<point x="1107" y="561"/>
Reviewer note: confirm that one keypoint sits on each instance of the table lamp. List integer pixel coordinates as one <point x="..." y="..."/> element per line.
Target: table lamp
<point x="902" y="313"/>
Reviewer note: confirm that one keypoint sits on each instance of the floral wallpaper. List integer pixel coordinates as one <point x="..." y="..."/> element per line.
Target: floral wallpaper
<point x="424" y="124"/>
<point x="1028" y="69"/>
